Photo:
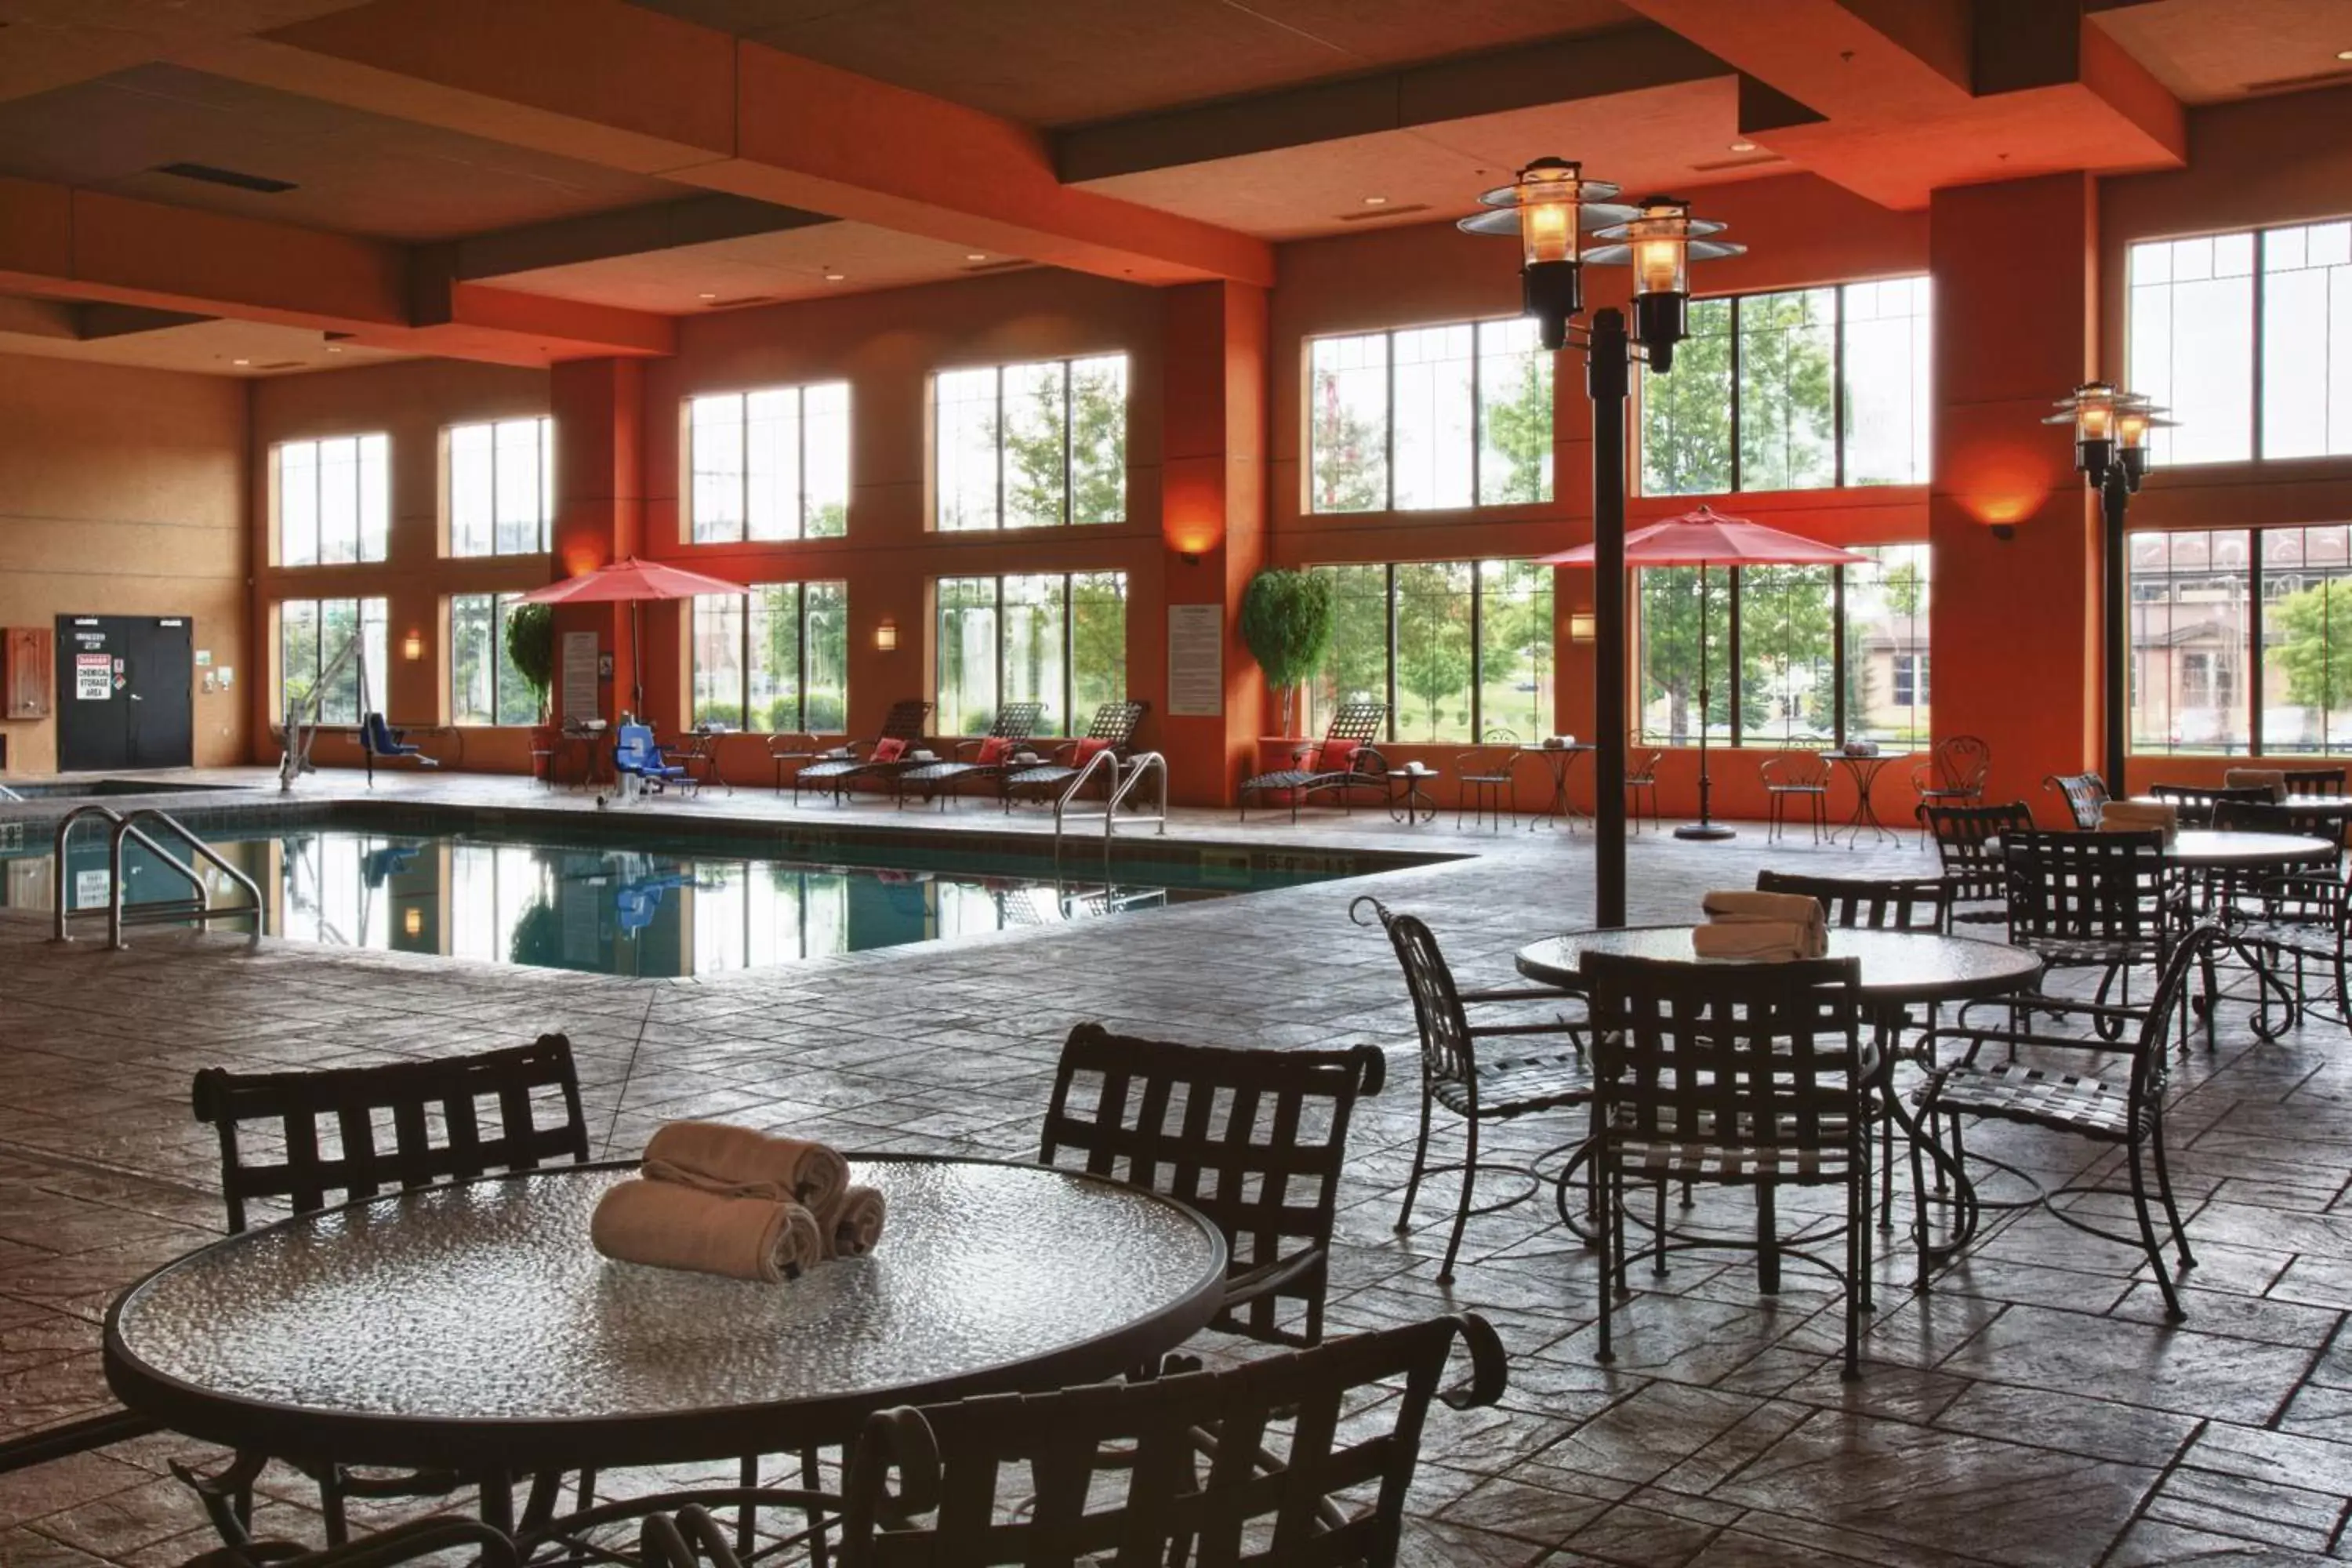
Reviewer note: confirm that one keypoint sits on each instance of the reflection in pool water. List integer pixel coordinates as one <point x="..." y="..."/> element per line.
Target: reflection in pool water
<point x="601" y="908"/>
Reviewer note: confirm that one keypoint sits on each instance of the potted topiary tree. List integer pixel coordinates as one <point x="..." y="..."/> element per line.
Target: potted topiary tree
<point x="531" y="649"/>
<point x="1287" y="620"/>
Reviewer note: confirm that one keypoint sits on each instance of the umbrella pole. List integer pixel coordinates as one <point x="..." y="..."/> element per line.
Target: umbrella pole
<point x="638" y="660"/>
<point x="1705" y="827"/>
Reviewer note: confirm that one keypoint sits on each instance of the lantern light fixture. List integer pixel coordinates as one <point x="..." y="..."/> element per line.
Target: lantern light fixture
<point x="1660" y="244"/>
<point x="1544" y="208"/>
<point x="2111" y="428"/>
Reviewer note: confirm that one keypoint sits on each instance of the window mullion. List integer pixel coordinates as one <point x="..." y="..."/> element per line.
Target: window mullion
<point x="2255" y="410"/>
<point x="1735" y="403"/>
<point x="1477" y="654"/>
<point x="1837" y="384"/>
<point x="1731" y="656"/>
<point x="1837" y="654"/>
<point x="1387" y="430"/>
<point x="1388" y="573"/>
<point x="1000" y="468"/>
<point x="2253" y="661"/>
<point x="744" y="472"/>
<point x="1069" y="470"/>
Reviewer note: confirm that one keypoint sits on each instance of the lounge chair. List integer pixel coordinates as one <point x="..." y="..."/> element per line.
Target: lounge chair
<point x="636" y="756"/>
<point x="1343" y="760"/>
<point x="1113" y="730"/>
<point x="379" y="738"/>
<point x="991" y="757"/>
<point x="885" y="756"/>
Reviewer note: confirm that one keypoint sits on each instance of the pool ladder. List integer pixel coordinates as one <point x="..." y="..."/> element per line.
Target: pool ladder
<point x="198" y="907"/>
<point x="1124" y="781"/>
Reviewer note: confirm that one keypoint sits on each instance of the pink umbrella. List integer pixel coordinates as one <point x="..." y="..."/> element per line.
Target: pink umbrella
<point x="1703" y="539"/>
<point x="632" y="582"/>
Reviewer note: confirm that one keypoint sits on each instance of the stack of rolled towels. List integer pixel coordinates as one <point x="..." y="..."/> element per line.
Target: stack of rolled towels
<point x="2271" y="779"/>
<point x="2140" y="817"/>
<point x="716" y="1199"/>
<point x="1762" y="928"/>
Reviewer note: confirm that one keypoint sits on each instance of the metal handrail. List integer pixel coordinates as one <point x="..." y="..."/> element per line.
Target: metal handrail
<point x="60" y="907"/>
<point x="127" y="827"/>
<point x="1105" y="758"/>
<point x="8" y="793"/>
<point x="1137" y="769"/>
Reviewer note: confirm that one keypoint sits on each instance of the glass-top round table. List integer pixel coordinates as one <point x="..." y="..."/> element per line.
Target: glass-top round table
<point x="1897" y="966"/>
<point x="473" y="1326"/>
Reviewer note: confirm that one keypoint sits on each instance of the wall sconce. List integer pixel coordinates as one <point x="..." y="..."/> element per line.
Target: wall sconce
<point x="885" y="637"/>
<point x="412" y="647"/>
<point x="413" y="922"/>
<point x="1581" y="625"/>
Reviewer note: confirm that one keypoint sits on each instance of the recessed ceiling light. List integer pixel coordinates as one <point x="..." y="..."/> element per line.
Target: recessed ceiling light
<point x="705" y="295"/>
<point x="834" y="276"/>
<point x="975" y="255"/>
<point x="1743" y="146"/>
<point x="2344" y="54"/>
<point x="334" y="348"/>
<point x="240" y="362"/>
<point x="1376" y="201"/>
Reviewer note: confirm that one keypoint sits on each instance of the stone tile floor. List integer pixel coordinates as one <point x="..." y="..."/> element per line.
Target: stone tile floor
<point x="2034" y="1409"/>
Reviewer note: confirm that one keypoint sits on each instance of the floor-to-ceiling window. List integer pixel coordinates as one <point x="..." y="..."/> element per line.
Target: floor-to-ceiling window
<point x="1054" y="638"/>
<point x="776" y="660"/>
<point x="1458" y="650"/>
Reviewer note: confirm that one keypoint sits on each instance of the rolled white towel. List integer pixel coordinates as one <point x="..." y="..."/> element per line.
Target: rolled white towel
<point x="852" y="1229"/>
<point x="1741" y="906"/>
<point x="741" y="1162"/>
<point x="1755" y="942"/>
<point x="667" y="1226"/>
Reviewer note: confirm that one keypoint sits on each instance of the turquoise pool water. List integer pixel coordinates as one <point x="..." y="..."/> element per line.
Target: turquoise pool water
<point x="518" y="893"/>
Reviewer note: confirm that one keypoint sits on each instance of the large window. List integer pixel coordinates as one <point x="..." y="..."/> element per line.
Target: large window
<point x="2241" y="641"/>
<point x="775" y="661"/>
<point x="2247" y="339"/>
<point x="1796" y="656"/>
<point x="1805" y="389"/>
<point x="772" y="464"/>
<point x="484" y="687"/>
<point x="502" y="487"/>
<point x="1030" y="445"/>
<point x="1057" y="639"/>
<point x="311" y="635"/>
<point x="1429" y="417"/>
<point x="1459" y="650"/>
<point x="334" y="499"/>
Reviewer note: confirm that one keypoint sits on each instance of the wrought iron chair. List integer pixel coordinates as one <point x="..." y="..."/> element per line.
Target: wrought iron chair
<point x="989" y="757"/>
<point x="2095" y="900"/>
<point x="2196" y="803"/>
<point x="1499" y="1089"/>
<point x="1344" y="760"/>
<point x="1954" y="773"/>
<point x="884" y="756"/>
<point x="2313" y="781"/>
<point x="1876" y="903"/>
<point x="791" y="746"/>
<point x="1307" y="1461"/>
<point x="440" y="1538"/>
<point x="1256" y="1139"/>
<point x="2303" y="913"/>
<point x="2016" y="1087"/>
<point x="1753" y="1075"/>
<point x="1485" y="782"/>
<point x="2084" y="793"/>
<point x="1112" y="729"/>
<point x="1973" y="872"/>
<point x="1641" y="773"/>
<point x="329" y="1125"/>
<point x="1796" y="776"/>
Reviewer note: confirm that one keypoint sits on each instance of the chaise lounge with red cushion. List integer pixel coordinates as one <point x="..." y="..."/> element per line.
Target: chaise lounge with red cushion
<point x="988" y="758"/>
<point x="1113" y="731"/>
<point x="883" y="759"/>
<point x="1343" y="760"/>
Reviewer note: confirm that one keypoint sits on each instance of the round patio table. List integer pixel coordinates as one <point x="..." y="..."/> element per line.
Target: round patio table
<point x="473" y="1327"/>
<point x="2210" y="848"/>
<point x="1559" y="760"/>
<point x="1865" y="767"/>
<point x="1898" y="968"/>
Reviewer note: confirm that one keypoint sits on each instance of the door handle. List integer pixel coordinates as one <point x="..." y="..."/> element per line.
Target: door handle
<point x="136" y="698"/>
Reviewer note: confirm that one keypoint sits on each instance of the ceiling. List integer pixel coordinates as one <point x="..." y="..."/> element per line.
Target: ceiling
<point x="1265" y="121"/>
<point x="1063" y="62"/>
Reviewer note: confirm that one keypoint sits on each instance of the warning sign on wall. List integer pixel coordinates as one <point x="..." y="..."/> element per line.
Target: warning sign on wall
<point x="93" y="677"/>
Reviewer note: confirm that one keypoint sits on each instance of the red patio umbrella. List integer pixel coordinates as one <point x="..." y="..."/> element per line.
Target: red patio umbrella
<point x="1703" y="539"/>
<point x="632" y="582"/>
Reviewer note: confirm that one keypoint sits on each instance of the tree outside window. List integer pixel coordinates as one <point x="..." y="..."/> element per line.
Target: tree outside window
<point x="771" y="464"/>
<point x="1458" y="649"/>
<point x="312" y="634"/>
<point x="772" y="661"/>
<point x="1057" y="639"/>
<point x="1030" y="445"/>
<point x="1429" y="417"/>
<point x="484" y="686"/>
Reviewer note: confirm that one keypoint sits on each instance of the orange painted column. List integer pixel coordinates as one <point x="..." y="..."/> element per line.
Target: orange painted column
<point x="599" y="411"/>
<point x="1213" y="528"/>
<point x="2015" y="620"/>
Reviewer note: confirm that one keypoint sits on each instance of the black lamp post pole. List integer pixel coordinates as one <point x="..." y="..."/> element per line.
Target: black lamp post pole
<point x="2114" y="497"/>
<point x="1609" y="377"/>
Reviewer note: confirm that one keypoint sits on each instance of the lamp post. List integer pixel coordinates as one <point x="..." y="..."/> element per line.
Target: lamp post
<point x="2111" y="428"/>
<point x="1544" y="209"/>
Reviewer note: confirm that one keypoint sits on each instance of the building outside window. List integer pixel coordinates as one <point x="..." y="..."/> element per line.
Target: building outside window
<point x="1459" y="650"/>
<point x="769" y="465"/>
<point x="2241" y="641"/>
<point x="2217" y="318"/>
<point x="1796" y="656"/>
<point x="502" y="487"/>
<point x="333" y="500"/>
<point x="1429" y="417"/>
<point x="1801" y="389"/>
<point x="775" y="661"/>
<point x="1030" y="445"/>
<point x="312" y="634"/>
<point x="1058" y="638"/>
<point x="484" y="687"/>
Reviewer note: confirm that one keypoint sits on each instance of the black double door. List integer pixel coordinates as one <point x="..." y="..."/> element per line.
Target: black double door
<point x="125" y="693"/>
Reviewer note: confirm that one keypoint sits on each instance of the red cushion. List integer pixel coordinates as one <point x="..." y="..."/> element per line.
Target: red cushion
<point x="1088" y="747"/>
<point x="1336" y="755"/>
<point x="994" y="750"/>
<point x="889" y="749"/>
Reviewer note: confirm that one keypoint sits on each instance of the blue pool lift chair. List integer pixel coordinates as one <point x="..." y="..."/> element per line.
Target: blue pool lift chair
<point x="379" y="738"/>
<point x="637" y="760"/>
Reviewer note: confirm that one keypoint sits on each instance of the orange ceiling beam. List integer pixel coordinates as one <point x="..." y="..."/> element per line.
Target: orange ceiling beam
<point x="627" y="88"/>
<point x="63" y="243"/>
<point x="1898" y="99"/>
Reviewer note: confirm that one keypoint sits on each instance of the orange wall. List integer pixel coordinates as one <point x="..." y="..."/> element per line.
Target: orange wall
<point x="122" y="492"/>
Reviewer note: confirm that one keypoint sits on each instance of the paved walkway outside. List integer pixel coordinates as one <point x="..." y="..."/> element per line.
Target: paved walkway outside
<point x="2032" y="1410"/>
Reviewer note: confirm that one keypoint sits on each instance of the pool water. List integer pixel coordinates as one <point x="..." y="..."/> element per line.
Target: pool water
<point x="703" y="907"/>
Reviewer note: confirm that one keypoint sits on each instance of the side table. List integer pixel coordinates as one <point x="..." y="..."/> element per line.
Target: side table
<point x="1407" y="798"/>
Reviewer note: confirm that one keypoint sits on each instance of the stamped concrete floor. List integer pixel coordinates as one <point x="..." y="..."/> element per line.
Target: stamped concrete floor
<point x="2034" y="1409"/>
